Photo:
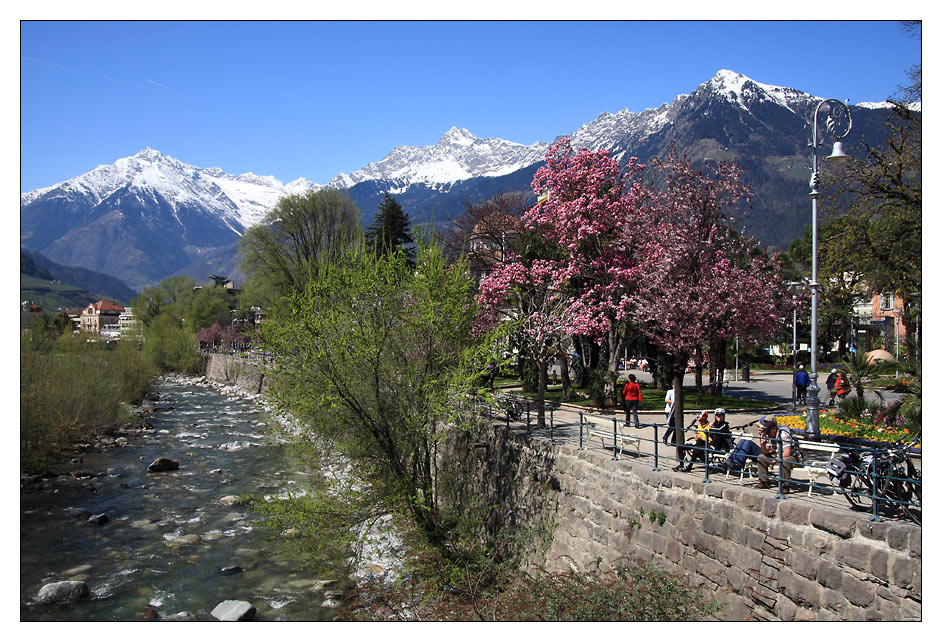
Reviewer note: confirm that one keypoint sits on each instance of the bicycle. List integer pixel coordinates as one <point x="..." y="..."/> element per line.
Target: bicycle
<point x="898" y="481"/>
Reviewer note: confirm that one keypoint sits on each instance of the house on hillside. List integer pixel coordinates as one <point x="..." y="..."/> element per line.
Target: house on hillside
<point x="129" y="325"/>
<point x="101" y="317"/>
<point x="28" y="312"/>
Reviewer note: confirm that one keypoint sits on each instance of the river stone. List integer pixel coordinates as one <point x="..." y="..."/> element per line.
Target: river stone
<point x="184" y="540"/>
<point x="229" y="500"/>
<point x="162" y="464"/>
<point x="101" y="518"/>
<point x="211" y="536"/>
<point x="78" y="569"/>
<point x="231" y="570"/>
<point x="233" y="611"/>
<point x="67" y="591"/>
<point x="300" y="585"/>
<point x="177" y="617"/>
<point x="121" y="441"/>
<point x="144" y="524"/>
<point x="332" y="599"/>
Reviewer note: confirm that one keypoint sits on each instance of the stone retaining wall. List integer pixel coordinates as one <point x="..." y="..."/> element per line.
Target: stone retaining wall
<point x="247" y="374"/>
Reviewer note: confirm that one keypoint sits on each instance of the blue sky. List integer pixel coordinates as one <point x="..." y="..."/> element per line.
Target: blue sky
<point x="312" y="99"/>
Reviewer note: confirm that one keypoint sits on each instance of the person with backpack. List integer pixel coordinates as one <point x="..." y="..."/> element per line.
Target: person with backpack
<point x="832" y="379"/>
<point x="841" y="386"/>
<point x="631" y="393"/>
<point x="801" y="384"/>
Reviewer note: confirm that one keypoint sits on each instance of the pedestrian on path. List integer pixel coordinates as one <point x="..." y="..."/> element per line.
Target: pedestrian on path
<point x="668" y="412"/>
<point x="832" y="379"/>
<point x="633" y="398"/>
<point x="801" y="384"/>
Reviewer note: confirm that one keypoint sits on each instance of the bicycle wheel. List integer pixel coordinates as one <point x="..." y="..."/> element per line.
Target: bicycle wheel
<point x="860" y="491"/>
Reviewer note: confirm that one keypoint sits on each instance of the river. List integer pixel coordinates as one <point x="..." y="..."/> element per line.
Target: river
<point x="137" y="559"/>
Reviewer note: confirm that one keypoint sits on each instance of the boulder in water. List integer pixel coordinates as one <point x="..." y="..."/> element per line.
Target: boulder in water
<point x="67" y="591"/>
<point x="184" y="540"/>
<point x="99" y="519"/>
<point x="231" y="570"/>
<point x="162" y="464"/>
<point x="149" y="613"/>
<point x="233" y="611"/>
<point x="229" y="500"/>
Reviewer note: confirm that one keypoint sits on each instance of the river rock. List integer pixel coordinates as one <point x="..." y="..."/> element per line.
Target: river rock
<point x="229" y="500"/>
<point x="162" y="464"/>
<point x="179" y="617"/>
<point x="100" y="518"/>
<point x="332" y="599"/>
<point x="184" y="540"/>
<point x="67" y="591"/>
<point x="233" y="611"/>
<point x="231" y="570"/>
<point x="149" y="613"/>
<point x="78" y="570"/>
<point x="121" y="441"/>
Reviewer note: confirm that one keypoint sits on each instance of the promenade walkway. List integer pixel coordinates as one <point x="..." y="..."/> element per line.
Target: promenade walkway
<point x="563" y="428"/>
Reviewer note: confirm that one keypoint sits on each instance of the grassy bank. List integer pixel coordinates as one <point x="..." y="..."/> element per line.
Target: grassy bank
<point x="70" y="388"/>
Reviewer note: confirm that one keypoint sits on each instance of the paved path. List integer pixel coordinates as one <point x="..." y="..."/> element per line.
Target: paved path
<point x="774" y="387"/>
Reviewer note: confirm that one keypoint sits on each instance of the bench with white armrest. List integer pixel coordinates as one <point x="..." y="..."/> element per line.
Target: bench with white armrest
<point x="603" y="428"/>
<point x="814" y="472"/>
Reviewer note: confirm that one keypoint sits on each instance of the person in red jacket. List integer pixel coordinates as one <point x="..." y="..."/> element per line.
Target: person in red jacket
<point x="633" y="398"/>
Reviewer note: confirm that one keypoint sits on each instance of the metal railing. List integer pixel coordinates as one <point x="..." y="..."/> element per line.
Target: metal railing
<point x="878" y="487"/>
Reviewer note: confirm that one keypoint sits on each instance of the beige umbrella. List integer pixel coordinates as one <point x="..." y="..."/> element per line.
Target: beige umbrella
<point x="879" y="355"/>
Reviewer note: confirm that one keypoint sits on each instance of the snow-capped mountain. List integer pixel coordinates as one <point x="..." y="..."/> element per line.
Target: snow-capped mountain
<point x="459" y="155"/>
<point x="148" y="216"/>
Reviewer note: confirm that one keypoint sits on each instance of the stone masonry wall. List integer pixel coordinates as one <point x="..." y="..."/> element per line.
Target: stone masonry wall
<point x="247" y="374"/>
<point x="760" y="557"/>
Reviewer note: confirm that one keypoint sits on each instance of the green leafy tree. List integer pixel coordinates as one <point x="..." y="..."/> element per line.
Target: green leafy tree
<point x="206" y="307"/>
<point x="390" y="230"/>
<point x="376" y="356"/>
<point x="284" y="251"/>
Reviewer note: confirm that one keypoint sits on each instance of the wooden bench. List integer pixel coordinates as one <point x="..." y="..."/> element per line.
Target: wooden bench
<point x="816" y="472"/>
<point x="603" y="429"/>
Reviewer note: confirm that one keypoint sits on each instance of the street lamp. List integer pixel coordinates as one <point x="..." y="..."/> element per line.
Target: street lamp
<point x="794" y="288"/>
<point x="837" y="123"/>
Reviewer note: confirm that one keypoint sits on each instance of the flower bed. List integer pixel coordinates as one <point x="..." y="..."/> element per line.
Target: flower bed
<point x="850" y="431"/>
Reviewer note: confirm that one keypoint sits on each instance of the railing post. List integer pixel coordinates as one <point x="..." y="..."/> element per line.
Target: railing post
<point x="706" y="456"/>
<point x="656" y="433"/>
<point x="551" y="424"/>
<point x="873" y="485"/>
<point x="580" y="431"/>
<point x="780" y="495"/>
<point x="614" y="439"/>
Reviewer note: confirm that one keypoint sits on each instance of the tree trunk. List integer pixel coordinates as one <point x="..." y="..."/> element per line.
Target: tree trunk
<point x="698" y="375"/>
<point x="564" y="369"/>
<point x="541" y="393"/>
<point x="678" y="415"/>
<point x="718" y="349"/>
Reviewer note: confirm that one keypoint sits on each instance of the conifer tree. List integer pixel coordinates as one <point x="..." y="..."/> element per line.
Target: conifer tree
<point x="391" y="230"/>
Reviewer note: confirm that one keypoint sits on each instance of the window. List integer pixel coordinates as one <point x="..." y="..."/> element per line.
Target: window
<point x="886" y="301"/>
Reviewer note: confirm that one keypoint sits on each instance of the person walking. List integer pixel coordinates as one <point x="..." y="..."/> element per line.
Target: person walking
<point x="668" y="413"/>
<point x="832" y="379"/>
<point x="801" y="384"/>
<point x="631" y="393"/>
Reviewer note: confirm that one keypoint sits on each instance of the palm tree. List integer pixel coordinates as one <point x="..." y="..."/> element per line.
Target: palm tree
<point x="859" y="371"/>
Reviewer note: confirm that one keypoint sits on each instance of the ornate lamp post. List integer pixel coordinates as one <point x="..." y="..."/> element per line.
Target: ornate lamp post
<point x="837" y="123"/>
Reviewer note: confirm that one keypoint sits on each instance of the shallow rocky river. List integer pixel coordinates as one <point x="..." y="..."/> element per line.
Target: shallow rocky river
<point x="166" y="544"/>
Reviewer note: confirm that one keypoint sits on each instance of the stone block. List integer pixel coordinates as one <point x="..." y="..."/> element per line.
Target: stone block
<point x="915" y="542"/>
<point x="798" y="589"/>
<point x="770" y="506"/>
<point x="802" y="563"/>
<point x="833" y="521"/>
<point x="910" y="611"/>
<point x="711" y="569"/>
<point x="901" y="571"/>
<point x="879" y="564"/>
<point x="785" y="609"/>
<point x="854" y="554"/>
<point x="794" y="512"/>
<point x="897" y="536"/>
<point x="713" y="490"/>
<point x="829" y="575"/>
<point x="873" y="530"/>
<point x="834" y="602"/>
<point x="735" y="579"/>
<point x="858" y="592"/>
<point x="752" y="500"/>
<point x="732" y="494"/>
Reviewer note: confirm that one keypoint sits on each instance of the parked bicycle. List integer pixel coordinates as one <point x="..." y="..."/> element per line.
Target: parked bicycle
<point x="889" y="475"/>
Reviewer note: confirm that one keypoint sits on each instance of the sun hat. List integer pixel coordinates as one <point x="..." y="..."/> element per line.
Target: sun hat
<point x="768" y="420"/>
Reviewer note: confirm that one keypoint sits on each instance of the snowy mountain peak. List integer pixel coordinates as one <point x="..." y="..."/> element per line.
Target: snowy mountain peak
<point x="456" y="136"/>
<point x="148" y="154"/>
<point x="745" y="91"/>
